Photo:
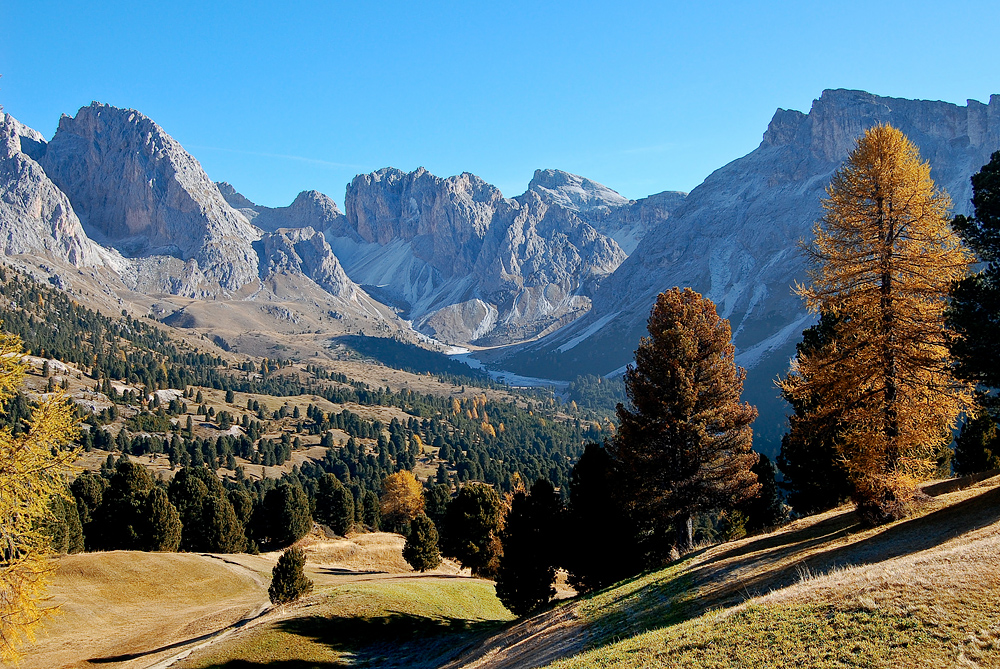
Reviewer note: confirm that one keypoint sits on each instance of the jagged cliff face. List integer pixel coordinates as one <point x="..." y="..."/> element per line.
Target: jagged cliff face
<point x="467" y="264"/>
<point x="136" y="189"/>
<point x="735" y="236"/>
<point x="305" y="251"/>
<point x="36" y="218"/>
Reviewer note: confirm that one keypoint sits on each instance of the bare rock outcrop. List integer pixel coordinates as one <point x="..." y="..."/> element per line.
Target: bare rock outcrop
<point x="36" y="217"/>
<point x="136" y="189"/>
<point x="305" y="251"/>
<point x="467" y="264"/>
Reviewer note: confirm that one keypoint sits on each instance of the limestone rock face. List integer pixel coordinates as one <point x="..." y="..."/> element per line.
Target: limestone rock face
<point x="305" y="251"/>
<point x="35" y="216"/>
<point x="734" y="238"/>
<point x="309" y="209"/>
<point x="136" y="189"/>
<point x="625" y="221"/>
<point x="467" y="264"/>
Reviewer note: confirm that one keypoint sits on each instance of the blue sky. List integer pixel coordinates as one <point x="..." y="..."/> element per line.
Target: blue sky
<point x="643" y="97"/>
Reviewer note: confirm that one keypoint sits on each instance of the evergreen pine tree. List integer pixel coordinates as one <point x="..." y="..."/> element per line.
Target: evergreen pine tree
<point x="601" y="546"/>
<point x="288" y="580"/>
<point x="334" y="504"/>
<point x="527" y="566"/>
<point x="472" y="529"/>
<point x="977" y="447"/>
<point x="283" y="517"/>
<point x="814" y="476"/>
<point x="421" y="548"/>
<point x="163" y="531"/>
<point x="767" y="509"/>
<point x="436" y="499"/>
<point x="373" y="511"/>
<point x="684" y="444"/>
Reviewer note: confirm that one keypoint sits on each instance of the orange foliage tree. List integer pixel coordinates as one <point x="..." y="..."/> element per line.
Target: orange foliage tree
<point x="883" y="259"/>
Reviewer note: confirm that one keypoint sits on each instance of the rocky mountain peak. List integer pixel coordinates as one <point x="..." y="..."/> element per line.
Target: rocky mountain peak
<point x="36" y="218"/>
<point x="573" y="191"/>
<point x="135" y="188"/>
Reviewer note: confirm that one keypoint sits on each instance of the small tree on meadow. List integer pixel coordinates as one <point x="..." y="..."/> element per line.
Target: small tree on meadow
<point x="421" y="549"/>
<point x="288" y="580"/>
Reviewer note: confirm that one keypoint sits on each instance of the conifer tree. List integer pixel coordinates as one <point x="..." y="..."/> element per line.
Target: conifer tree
<point x="283" y="517"/>
<point x="288" y="580"/>
<point x="472" y="529"/>
<point x="527" y="566"/>
<point x="421" y="549"/>
<point x="974" y="320"/>
<point x="436" y="499"/>
<point x="883" y="260"/>
<point x="596" y="510"/>
<point x="814" y="476"/>
<point x="767" y="509"/>
<point x="163" y="529"/>
<point x="88" y="489"/>
<point x="373" y="511"/>
<point x="977" y="445"/>
<point x="684" y="443"/>
<point x="334" y="504"/>
<point x="402" y="500"/>
<point x="32" y="462"/>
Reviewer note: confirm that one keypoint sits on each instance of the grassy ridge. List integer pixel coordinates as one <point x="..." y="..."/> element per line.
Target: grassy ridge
<point x="419" y="622"/>
<point x="825" y="592"/>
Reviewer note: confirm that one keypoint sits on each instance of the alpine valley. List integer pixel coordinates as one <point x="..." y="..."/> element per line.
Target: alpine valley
<point x="556" y="282"/>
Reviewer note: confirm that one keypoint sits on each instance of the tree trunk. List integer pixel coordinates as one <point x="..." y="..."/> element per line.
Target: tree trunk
<point x="683" y="527"/>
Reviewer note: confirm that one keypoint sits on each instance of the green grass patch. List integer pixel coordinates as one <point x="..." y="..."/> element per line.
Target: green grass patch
<point x="651" y="600"/>
<point x="773" y="636"/>
<point x="385" y="623"/>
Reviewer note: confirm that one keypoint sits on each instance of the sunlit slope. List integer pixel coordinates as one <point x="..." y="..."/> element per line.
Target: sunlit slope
<point x="821" y="592"/>
<point x="130" y="609"/>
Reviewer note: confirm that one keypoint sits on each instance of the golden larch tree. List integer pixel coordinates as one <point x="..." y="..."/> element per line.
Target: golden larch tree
<point x="402" y="500"/>
<point x="883" y="259"/>
<point x="32" y="464"/>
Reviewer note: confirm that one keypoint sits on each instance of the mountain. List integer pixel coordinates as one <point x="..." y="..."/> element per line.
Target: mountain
<point x="137" y="190"/>
<point x="734" y="238"/>
<point x="169" y="234"/>
<point x="310" y="209"/>
<point x="36" y="218"/>
<point x="625" y="221"/>
<point x="466" y="264"/>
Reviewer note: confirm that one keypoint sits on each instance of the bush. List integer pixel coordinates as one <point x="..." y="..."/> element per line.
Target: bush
<point x="288" y="581"/>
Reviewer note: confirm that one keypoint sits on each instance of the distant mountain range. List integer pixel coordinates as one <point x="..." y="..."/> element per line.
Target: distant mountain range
<point x="565" y="272"/>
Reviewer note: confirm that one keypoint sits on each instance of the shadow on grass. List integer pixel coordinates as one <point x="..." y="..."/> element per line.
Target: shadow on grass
<point x="279" y="664"/>
<point x="669" y="601"/>
<point x="392" y="640"/>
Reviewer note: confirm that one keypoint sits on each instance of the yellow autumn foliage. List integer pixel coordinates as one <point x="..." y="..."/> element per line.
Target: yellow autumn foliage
<point x="883" y="259"/>
<point x="31" y="468"/>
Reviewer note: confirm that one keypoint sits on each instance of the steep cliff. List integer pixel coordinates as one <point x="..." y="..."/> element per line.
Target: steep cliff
<point x="136" y="189"/>
<point x="36" y="218"/>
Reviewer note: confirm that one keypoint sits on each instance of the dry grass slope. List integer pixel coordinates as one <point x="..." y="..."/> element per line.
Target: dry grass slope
<point x="821" y="592"/>
<point x="128" y="609"/>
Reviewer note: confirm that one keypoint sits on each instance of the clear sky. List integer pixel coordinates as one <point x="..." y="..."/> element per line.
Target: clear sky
<point x="279" y="97"/>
